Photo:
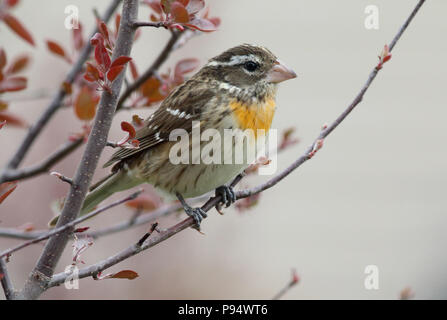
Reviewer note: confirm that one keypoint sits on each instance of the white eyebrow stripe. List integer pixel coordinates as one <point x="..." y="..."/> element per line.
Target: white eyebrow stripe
<point x="235" y="60"/>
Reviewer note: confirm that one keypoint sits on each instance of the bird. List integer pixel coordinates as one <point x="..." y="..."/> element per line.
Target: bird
<point x="235" y="90"/>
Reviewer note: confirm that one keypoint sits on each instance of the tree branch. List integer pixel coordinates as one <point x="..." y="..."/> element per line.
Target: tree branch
<point x="162" y="57"/>
<point x="8" y="288"/>
<point x="44" y="166"/>
<point x="69" y="225"/>
<point x="35" y="129"/>
<point x="41" y="275"/>
<point x="212" y="202"/>
<point x="139" y="24"/>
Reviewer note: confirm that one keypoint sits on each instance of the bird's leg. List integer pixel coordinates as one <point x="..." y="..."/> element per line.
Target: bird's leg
<point x="196" y="213"/>
<point x="227" y="194"/>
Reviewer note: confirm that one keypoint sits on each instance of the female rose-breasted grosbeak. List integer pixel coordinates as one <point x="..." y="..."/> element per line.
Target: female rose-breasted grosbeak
<point x="235" y="90"/>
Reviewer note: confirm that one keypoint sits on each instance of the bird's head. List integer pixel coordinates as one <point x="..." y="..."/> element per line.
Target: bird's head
<point x="248" y="65"/>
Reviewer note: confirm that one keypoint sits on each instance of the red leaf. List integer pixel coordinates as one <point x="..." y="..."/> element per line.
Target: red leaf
<point x="85" y="104"/>
<point x="144" y="203"/>
<point x="78" y="40"/>
<point x="57" y="49"/>
<point x="151" y="90"/>
<point x="18" y="64"/>
<point x="18" y="28"/>
<point x="117" y="22"/>
<point x="11" y="3"/>
<point x="179" y="12"/>
<point x="80" y="230"/>
<point x="3" y="105"/>
<point x="3" y="59"/>
<point x="126" y="126"/>
<point x="102" y="27"/>
<point x="125" y="274"/>
<point x="195" y="6"/>
<point x="114" y="72"/>
<point x="133" y="70"/>
<point x="120" y="61"/>
<point x="13" y="84"/>
<point x="91" y="73"/>
<point x="6" y="189"/>
<point x="102" y="57"/>
<point x="2" y="123"/>
<point x="12" y="120"/>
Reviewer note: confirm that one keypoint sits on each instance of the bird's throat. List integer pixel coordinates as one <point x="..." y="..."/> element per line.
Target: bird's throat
<point x="254" y="117"/>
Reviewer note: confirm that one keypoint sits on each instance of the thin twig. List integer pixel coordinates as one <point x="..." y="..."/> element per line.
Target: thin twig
<point x="162" y="57"/>
<point x="139" y="24"/>
<point x="44" y="166"/>
<point x="70" y="225"/>
<point x="8" y="288"/>
<point x="292" y="282"/>
<point x="212" y="202"/>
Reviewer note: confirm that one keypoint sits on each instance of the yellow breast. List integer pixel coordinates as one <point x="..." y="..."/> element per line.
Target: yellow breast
<point x="255" y="116"/>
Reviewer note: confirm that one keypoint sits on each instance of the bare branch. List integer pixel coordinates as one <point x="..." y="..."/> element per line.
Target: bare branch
<point x="69" y="226"/>
<point x="212" y="202"/>
<point x="41" y="275"/>
<point x="162" y="57"/>
<point x="35" y="129"/>
<point x="292" y="282"/>
<point x="44" y="166"/>
<point x="139" y="24"/>
<point x="8" y="288"/>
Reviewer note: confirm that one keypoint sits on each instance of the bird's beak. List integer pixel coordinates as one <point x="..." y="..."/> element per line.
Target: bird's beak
<point x="279" y="73"/>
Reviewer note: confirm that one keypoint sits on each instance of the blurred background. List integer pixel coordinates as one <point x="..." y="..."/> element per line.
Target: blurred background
<point x="374" y="195"/>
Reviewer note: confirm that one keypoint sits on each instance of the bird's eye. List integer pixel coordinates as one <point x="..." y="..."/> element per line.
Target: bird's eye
<point x="250" y="66"/>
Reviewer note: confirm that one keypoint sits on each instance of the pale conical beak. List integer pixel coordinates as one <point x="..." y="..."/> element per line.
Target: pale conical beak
<point x="279" y="73"/>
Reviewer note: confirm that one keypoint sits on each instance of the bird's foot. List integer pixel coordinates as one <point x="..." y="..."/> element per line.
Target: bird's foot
<point x="227" y="194"/>
<point x="196" y="213"/>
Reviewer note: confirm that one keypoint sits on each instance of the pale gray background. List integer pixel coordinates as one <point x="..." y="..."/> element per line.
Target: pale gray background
<point x="375" y="194"/>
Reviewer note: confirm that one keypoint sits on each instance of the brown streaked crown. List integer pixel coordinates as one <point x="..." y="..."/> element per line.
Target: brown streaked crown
<point x="241" y="66"/>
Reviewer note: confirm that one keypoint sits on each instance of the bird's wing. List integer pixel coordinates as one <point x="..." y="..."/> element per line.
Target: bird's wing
<point x="178" y="111"/>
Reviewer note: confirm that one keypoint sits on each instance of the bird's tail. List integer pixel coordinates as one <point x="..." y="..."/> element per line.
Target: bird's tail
<point x="118" y="181"/>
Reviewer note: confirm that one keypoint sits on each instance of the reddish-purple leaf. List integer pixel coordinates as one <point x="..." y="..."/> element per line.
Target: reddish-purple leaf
<point x="13" y="84"/>
<point x="126" y="126"/>
<point x="85" y="104"/>
<point x="114" y="72"/>
<point x="144" y="203"/>
<point x="78" y="40"/>
<point x="18" y="64"/>
<point x="11" y="3"/>
<point x="57" y="49"/>
<point x="92" y="73"/>
<point x="120" y="61"/>
<point x="3" y="59"/>
<point x="2" y="123"/>
<point x="133" y="70"/>
<point x="18" y="28"/>
<point x="80" y="230"/>
<point x="179" y="13"/>
<point x="125" y="274"/>
<point x="12" y="120"/>
<point x="3" y="105"/>
<point x="6" y="189"/>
